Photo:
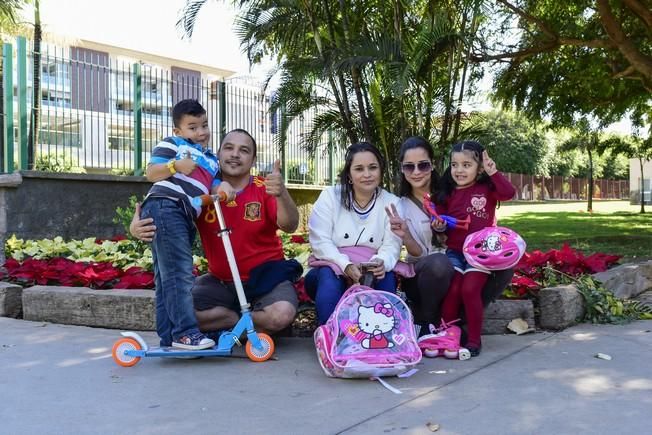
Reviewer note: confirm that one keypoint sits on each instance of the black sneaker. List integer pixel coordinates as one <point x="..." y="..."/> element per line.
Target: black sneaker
<point x="474" y="350"/>
<point x="193" y="341"/>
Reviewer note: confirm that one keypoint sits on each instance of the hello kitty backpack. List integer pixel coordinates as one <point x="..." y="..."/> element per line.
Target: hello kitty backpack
<point x="370" y="334"/>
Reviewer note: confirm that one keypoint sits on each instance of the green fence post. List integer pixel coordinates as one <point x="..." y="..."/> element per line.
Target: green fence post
<point x="138" y="120"/>
<point x="221" y="95"/>
<point x="331" y="157"/>
<point x="8" y="83"/>
<point x="21" y="65"/>
<point x="284" y="144"/>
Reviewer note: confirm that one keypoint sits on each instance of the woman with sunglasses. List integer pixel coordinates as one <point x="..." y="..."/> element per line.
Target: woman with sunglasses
<point x="410" y="222"/>
<point x="349" y="231"/>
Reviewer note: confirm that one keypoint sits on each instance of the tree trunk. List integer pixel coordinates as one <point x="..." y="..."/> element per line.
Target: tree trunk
<point x="343" y="102"/>
<point x="2" y="117"/>
<point x="35" y="124"/>
<point x="590" y="203"/>
<point x="636" y="58"/>
<point x="458" y="115"/>
<point x="640" y="162"/>
<point x="356" y="78"/>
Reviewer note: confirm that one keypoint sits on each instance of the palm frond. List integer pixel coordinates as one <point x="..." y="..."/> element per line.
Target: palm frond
<point x="188" y="17"/>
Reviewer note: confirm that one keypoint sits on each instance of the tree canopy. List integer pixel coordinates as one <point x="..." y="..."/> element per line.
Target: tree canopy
<point x="562" y="59"/>
<point x="382" y="70"/>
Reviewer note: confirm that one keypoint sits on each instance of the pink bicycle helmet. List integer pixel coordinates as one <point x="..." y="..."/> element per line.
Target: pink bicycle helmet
<point x="494" y="248"/>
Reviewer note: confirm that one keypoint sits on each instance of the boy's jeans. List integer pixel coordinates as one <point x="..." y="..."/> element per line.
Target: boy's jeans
<point x="172" y="254"/>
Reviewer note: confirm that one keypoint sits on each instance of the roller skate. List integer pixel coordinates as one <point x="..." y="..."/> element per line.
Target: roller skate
<point x="443" y="341"/>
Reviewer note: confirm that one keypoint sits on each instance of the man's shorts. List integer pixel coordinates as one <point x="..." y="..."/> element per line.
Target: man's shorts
<point x="209" y="292"/>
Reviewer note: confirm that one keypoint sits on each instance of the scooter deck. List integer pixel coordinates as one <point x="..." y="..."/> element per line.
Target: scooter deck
<point x="174" y="352"/>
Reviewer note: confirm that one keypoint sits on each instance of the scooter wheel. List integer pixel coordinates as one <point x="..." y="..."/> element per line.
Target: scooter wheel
<point x="118" y="352"/>
<point x="260" y="355"/>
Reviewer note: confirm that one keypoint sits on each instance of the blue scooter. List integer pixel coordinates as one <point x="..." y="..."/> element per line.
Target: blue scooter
<point x="128" y="350"/>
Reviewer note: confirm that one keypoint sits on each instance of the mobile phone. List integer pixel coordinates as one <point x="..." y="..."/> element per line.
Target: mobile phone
<point x="368" y="264"/>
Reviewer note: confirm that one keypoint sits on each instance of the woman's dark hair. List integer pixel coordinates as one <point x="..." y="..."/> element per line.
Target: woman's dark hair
<point x="411" y="143"/>
<point x="345" y="175"/>
<point x="446" y="182"/>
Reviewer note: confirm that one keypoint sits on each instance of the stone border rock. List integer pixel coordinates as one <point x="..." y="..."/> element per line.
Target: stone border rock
<point x="502" y="311"/>
<point x="134" y="309"/>
<point x="119" y="309"/>
<point x="10" y="300"/>
<point x="627" y="280"/>
<point x="560" y="307"/>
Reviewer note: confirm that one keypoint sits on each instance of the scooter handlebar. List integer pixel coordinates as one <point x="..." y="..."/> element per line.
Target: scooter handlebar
<point x="203" y="200"/>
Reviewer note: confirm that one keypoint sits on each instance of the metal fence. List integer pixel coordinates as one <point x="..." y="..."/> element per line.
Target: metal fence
<point x="103" y="114"/>
<point x="532" y="188"/>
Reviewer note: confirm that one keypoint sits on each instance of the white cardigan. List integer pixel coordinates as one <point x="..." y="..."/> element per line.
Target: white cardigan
<point x="332" y="227"/>
<point x="418" y="223"/>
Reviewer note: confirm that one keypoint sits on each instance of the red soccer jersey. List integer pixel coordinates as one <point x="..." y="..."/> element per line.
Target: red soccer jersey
<point x="477" y="201"/>
<point x="252" y="220"/>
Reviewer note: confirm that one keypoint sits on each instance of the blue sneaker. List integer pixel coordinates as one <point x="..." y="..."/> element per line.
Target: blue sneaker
<point x="193" y="341"/>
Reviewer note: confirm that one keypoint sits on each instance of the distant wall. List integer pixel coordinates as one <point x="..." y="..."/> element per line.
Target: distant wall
<point x="44" y="204"/>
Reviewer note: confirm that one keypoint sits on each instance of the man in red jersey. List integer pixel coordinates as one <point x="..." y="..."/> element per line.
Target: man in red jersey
<point x="261" y="207"/>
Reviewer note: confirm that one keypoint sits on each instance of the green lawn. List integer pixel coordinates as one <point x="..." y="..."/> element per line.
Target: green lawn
<point x="614" y="227"/>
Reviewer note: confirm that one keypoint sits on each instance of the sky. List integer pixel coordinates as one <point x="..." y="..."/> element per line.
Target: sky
<point x="149" y="26"/>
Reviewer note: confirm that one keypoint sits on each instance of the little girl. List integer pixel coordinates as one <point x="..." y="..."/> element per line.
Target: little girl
<point x="470" y="187"/>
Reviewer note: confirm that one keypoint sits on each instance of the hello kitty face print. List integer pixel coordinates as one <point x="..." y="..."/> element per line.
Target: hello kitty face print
<point x="491" y="243"/>
<point x="375" y="322"/>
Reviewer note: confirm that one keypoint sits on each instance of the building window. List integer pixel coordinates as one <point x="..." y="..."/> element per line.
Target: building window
<point x="120" y="138"/>
<point x="55" y="98"/>
<point x="62" y="133"/>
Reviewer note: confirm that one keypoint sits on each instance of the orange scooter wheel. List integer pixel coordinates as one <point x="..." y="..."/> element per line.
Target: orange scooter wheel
<point x="260" y="355"/>
<point x="118" y="352"/>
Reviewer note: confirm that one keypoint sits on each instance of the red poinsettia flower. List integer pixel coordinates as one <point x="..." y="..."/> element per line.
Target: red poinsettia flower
<point x="599" y="262"/>
<point x="11" y="264"/>
<point x="300" y="288"/>
<point x="136" y="278"/>
<point x="298" y="239"/>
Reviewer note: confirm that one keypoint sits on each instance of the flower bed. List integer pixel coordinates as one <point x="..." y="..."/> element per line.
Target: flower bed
<point x="127" y="264"/>
<point x="536" y="269"/>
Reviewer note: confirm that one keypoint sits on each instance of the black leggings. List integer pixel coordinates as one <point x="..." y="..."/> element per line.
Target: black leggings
<point x="427" y="289"/>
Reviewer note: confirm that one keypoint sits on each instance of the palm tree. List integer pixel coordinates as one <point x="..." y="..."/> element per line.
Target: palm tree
<point x="379" y="70"/>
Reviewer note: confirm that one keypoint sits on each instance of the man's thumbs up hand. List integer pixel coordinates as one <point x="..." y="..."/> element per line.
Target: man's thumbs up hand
<point x="277" y="167"/>
<point x="274" y="181"/>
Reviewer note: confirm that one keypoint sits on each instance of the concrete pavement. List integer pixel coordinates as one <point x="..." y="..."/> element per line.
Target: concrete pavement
<point x="59" y="379"/>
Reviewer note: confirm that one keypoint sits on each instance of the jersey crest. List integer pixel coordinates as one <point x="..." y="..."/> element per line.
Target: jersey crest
<point x="252" y="211"/>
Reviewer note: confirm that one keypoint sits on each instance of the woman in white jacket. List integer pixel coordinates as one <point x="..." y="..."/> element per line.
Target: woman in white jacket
<point x="348" y="227"/>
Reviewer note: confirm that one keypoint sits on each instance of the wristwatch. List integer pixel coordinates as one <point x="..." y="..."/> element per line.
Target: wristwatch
<point x="170" y="165"/>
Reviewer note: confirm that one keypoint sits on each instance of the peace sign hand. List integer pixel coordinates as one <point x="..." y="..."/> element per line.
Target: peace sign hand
<point x="397" y="224"/>
<point x="488" y="164"/>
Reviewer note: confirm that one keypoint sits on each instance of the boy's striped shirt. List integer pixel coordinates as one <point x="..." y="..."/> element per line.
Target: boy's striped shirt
<point x="180" y="186"/>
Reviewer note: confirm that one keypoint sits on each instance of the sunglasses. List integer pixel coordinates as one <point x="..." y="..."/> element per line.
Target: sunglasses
<point x="409" y="168"/>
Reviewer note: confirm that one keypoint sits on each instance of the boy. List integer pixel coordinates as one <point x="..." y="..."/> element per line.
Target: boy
<point x="181" y="168"/>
